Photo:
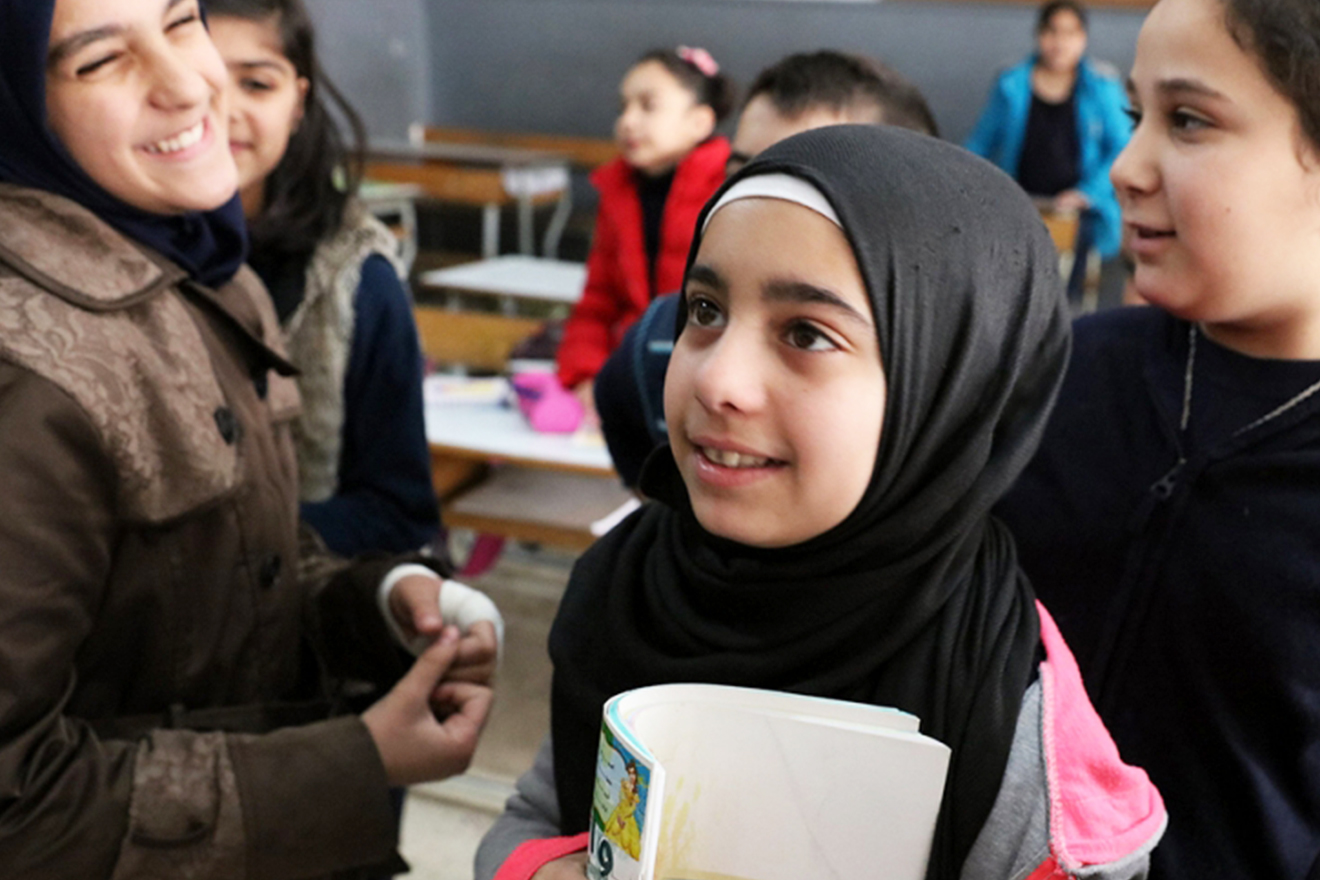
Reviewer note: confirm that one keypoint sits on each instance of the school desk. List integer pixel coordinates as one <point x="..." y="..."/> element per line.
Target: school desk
<point x="511" y="279"/>
<point x="488" y="177"/>
<point x="497" y="476"/>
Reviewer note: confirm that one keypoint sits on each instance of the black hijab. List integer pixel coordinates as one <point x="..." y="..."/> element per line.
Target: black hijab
<point x="209" y="246"/>
<point x="915" y="600"/>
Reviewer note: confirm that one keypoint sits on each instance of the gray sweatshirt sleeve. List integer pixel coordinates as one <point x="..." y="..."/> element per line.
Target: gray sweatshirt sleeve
<point x="531" y="813"/>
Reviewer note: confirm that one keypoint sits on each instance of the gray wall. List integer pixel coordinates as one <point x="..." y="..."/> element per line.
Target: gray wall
<point x="554" y="65"/>
<point x="378" y="53"/>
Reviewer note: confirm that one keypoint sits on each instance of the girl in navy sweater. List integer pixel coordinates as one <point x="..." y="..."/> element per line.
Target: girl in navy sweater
<point x="334" y="274"/>
<point x="1170" y="518"/>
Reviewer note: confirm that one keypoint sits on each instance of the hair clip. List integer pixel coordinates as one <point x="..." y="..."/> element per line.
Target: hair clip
<point x="699" y="58"/>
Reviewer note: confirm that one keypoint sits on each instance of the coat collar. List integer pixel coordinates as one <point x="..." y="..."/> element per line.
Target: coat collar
<point x="67" y="250"/>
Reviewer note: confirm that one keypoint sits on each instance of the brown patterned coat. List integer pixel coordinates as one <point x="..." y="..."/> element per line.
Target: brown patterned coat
<point x="149" y="561"/>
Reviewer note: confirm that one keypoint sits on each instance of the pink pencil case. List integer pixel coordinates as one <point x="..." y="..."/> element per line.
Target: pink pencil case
<point x="548" y="406"/>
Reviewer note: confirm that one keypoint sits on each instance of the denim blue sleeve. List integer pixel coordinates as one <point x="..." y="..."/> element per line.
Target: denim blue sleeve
<point x="630" y="389"/>
<point x="385" y="499"/>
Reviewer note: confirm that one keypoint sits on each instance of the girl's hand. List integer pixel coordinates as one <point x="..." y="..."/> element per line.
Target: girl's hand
<point x="572" y="867"/>
<point x="415" y="605"/>
<point x="1071" y="200"/>
<point x="586" y="395"/>
<point x="415" y="745"/>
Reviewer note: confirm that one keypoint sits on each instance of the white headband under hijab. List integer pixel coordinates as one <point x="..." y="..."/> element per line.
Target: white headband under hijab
<point x="784" y="187"/>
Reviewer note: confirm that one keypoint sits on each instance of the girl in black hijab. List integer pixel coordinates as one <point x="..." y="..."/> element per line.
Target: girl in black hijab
<point x="872" y="336"/>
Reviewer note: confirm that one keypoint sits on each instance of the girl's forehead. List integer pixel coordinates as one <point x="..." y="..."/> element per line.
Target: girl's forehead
<point x="253" y="36"/>
<point x="783" y="253"/>
<point x="650" y="76"/>
<point x="1186" y="46"/>
<point x="1184" y="30"/>
<point x="71" y="15"/>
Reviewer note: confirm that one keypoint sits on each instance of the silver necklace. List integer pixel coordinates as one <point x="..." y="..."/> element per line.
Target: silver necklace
<point x="1187" y="393"/>
<point x="1163" y="487"/>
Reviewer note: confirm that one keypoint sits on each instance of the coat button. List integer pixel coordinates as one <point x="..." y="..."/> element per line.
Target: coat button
<point x="270" y="571"/>
<point x="227" y="422"/>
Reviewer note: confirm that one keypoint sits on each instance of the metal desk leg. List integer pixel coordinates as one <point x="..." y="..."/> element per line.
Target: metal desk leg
<point x="525" y="245"/>
<point x="555" y="231"/>
<point x="490" y="231"/>
<point x="408" y="220"/>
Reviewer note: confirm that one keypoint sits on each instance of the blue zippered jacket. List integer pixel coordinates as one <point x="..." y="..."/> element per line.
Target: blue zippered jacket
<point x="1103" y="130"/>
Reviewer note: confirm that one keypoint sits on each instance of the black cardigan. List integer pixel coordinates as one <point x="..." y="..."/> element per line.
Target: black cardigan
<point x="1192" y="598"/>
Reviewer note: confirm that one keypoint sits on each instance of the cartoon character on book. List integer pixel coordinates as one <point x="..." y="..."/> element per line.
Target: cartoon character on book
<point x="621" y="826"/>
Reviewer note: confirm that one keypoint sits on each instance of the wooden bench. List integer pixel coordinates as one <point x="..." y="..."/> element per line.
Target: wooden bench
<point x="537" y="505"/>
<point x="475" y="340"/>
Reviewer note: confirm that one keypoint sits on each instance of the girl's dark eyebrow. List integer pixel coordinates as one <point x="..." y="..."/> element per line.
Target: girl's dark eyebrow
<point x="703" y="274"/>
<point x="1178" y="86"/>
<point x="66" y="47"/>
<point x="802" y="292"/>
<point x="782" y="290"/>
<point x="1183" y="85"/>
<point x="258" y="64"/>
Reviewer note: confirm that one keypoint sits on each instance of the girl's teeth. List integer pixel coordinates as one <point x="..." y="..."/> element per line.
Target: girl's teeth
<point x="730" y="459"/>
<point x="181" y="142"/>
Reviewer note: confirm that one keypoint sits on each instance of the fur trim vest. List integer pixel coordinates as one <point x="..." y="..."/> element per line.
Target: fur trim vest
<point x="319" y="336"/>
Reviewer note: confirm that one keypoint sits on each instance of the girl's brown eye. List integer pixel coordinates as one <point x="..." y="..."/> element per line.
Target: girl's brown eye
<point x="808" y="337"/>
<point x="703" y="312"/>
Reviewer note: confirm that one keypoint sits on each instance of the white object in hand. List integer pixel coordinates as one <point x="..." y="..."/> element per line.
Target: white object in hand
<point x="460" y="606"/>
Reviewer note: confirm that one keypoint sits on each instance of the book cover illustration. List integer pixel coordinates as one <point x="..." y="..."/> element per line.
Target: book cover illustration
<point x="619" y="807"/>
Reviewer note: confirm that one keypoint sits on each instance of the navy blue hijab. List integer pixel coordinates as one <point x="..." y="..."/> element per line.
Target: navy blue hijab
<point x="210" y="246"/>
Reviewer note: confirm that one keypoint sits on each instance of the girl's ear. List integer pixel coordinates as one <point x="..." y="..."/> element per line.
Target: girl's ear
<point x="303" y="85"/>
<point x="703" y="122"/>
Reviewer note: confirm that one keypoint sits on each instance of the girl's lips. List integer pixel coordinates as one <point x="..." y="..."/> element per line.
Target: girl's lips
<point x="727" y="466"/>
<point x="1144" y="240"/>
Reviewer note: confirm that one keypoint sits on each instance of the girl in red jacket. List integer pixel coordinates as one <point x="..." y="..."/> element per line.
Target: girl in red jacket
<point x="671" y="162"/>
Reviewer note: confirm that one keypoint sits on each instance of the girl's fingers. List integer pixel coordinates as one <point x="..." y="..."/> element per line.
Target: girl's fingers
<point x="430" y="666"/>
<point x="470" y="705"/>
<point x="479" y="645"/>
<point x="415" y="602"/>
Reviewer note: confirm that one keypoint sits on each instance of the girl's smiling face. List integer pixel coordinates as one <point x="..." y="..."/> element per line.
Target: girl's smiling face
<point x="265" y="101"/>
<point x="1220" y="189"/>
<point x="135" y="92"/>
<point x="775" y="393"/>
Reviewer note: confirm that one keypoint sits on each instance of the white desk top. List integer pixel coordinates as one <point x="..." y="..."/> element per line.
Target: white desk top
<point x="514" y="275"/>
<point x="381" y="191"/>
<point x="500" y="432"/>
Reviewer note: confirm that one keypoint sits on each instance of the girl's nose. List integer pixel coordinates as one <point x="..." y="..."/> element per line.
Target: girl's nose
<point x="176" y="82"/>
<point x="1134" y="171"/>
<point x="625" y="120"/>
<point x="732" y="375"/>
